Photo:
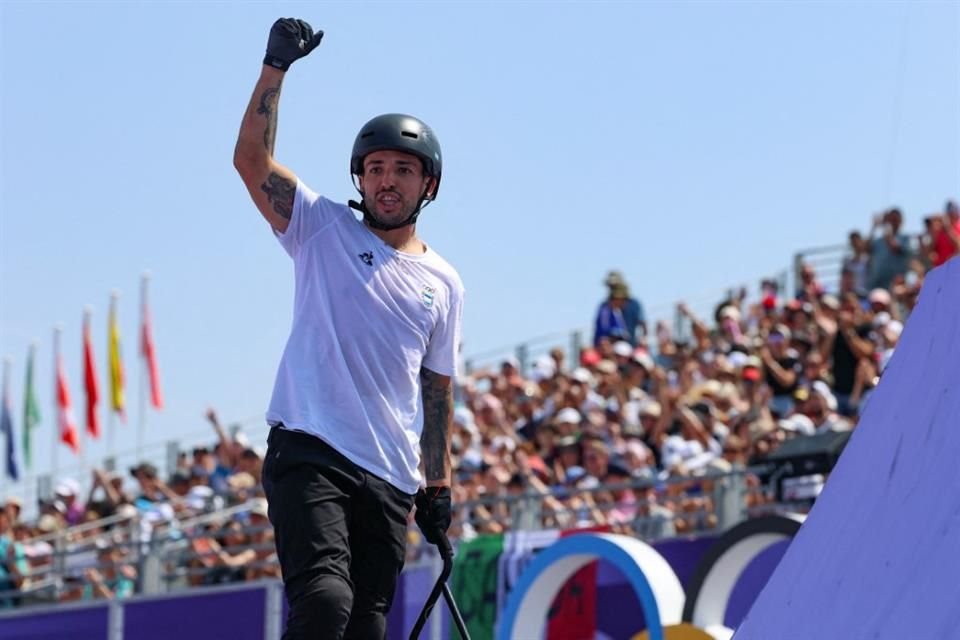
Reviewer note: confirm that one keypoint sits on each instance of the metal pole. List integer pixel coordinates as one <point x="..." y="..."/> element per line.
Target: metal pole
<point x="446" y="552"/>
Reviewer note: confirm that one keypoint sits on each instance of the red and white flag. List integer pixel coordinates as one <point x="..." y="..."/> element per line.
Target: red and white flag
<point x="90" y="379"/>
<point x="148" y="351"/>
<point x="65" y="419"/>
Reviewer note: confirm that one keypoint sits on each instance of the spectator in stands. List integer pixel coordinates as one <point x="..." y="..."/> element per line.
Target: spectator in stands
<point x="782" y="370"/>
<point x="151" y="490"/>
<point x="847" y="341"/>
<point x="810" y="287"/>
<point x="620" y="315"/>
<point x="209" y="465"/>
<point x="251" y="462"/>
<point x="8" y="578"/>
<point x="110" y="485"/>
<point x="111" y="578"/>
<point x="890" y="251"/>
<point x="13" y="507"/>
<point x="942" y="238"/>
<point x="856" y="264"/>
<point x="67" y="491"/>
<point x="264" y="564"/>
<point x="821" y="407"/>
<point x="849" y="285"/>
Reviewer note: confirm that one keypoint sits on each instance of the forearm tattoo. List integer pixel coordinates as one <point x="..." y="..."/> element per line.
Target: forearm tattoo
<point x="437" y="409"/>
<point x="268" y="108"/>
<point x="280" y="193"/>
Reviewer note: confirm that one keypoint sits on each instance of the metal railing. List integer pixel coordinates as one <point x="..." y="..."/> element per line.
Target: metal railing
<point x="165" y="557"/>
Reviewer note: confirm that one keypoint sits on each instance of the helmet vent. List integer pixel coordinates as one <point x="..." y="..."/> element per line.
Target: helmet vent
<point x="409" y="134"/>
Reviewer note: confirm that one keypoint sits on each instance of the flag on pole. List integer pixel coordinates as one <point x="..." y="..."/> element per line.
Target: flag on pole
<point x="149" y="353"/>
<point x="116" y="363"/>
<point x="31" y="408"/>
<point x="65" y="420"/>
<point x="6" y="425"/>
<point x="90" y="378"/>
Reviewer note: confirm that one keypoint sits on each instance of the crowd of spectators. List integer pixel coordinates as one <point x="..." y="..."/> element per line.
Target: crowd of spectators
<point x="87" y="545"/>
<point x="652" y="418"/>
<point x="630" y="433"/>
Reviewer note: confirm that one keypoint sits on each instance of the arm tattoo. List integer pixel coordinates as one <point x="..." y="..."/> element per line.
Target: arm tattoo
<point x="280" y="193"/>
<point x="268" y="107"/>
<point x="437" y="410"/>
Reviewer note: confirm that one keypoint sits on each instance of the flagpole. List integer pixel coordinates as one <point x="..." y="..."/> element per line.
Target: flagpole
<point x="142" y="405"/>
<point x="7" y="362"/>
<point x="57" y="330"/>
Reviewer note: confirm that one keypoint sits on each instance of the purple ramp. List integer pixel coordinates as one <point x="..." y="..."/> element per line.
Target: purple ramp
<point x="878" y="557"/>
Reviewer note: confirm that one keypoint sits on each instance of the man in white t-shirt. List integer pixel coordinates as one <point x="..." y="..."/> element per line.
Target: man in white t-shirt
<point x="363" y="395"/>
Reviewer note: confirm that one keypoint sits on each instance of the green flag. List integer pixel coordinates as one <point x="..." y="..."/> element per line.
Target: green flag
<point x="31" y="410"/>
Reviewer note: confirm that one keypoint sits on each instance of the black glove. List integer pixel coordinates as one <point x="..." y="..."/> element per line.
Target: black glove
<point x="290" y="40"/>
<point x="433" y="513"/>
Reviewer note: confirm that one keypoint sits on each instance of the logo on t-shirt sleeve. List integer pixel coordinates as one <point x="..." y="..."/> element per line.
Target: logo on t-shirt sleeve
<point x="367" y="258"/>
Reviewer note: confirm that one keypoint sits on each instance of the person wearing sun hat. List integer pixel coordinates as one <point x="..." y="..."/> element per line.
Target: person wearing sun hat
<point x="619" y="316"/>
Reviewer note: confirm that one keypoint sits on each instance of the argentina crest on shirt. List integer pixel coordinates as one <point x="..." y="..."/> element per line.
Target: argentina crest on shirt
<point x="426" y="295"/>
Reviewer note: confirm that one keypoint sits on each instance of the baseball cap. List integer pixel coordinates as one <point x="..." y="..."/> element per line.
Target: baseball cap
<point x="895" y="328"/>
<point x="799" y="424"/>
<point x="258" y="507"/>
<point x="582" y="375"/>
<point x="652" y="409"/>
<point x="731" y="312"/>
<point x="781" y="329"/>
<point x="574" y="473"/>
<point x="464" y="417"/>
<point x="879" y="296"/>
<point x="68" y="487"/>
<point x="643" y="359"/>
<point x="623" y="349"/>
<point x="568" y="415"/>
<point x="145" y="468"/>
<point x="589" y="357"/>
<point x="820" y="388"/>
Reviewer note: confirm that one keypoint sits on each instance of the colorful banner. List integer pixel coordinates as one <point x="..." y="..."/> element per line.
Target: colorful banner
<point x="474" y="584"/>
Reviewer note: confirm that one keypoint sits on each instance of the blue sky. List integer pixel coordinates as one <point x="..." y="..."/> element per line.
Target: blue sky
<point x="694" y="146"/>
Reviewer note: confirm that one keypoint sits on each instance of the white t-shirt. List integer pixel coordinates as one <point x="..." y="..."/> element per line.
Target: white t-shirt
<point x="366" y="318"/>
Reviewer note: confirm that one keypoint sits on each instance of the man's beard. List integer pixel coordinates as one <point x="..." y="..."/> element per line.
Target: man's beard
<point x="403" y="213"/>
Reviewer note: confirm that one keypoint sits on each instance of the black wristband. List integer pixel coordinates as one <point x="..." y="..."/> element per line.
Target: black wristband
<point x="275" y="62"/>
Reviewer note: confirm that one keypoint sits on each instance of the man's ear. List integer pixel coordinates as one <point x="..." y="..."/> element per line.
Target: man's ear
<point x="431" y="188"/>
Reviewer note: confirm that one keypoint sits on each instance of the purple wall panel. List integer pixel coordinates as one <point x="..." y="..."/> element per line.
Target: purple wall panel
<point x="238" y="615"/>
<point x="76" y="624"/>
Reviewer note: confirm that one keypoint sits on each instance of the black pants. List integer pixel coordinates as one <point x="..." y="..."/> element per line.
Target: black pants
<point x="340" y="535"/>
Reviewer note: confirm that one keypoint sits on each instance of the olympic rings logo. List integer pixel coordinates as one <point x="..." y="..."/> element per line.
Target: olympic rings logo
<point x="662" y="598"/>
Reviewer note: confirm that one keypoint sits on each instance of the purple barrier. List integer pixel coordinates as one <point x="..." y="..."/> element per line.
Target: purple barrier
<point x="240" y="612"/>
<point x="239" y="615"/>
<point x="86" y="623"/>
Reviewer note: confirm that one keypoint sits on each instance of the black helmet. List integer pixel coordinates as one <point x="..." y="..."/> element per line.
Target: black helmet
<point x="399" y="132"/>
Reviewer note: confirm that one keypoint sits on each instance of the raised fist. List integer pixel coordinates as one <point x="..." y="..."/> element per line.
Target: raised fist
<point x="290" y="39"/>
